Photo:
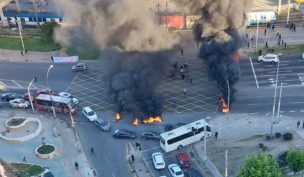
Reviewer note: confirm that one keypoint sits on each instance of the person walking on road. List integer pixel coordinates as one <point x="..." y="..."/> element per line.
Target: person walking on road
<point x="23" y="158"/>
<point x="76" y="165"/>
<point x="215" y="135"/>
<point x="298" y="124"/>
<point x="92" y="151"/>
<point x="265" y="31"/>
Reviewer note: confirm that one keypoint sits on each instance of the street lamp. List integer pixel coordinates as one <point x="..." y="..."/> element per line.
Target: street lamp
<point x="29" y="94"/>
<point x="20" y="29"/>
<point x="228" y="85"/>
<point x="274" y="97"/>
<point x="47" y="82"/>
<point x="257" y="35"/>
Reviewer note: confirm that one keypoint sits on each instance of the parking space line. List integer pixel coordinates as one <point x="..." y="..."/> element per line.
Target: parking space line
<point x="255" y="77"/>
<point x="17" y="84"/>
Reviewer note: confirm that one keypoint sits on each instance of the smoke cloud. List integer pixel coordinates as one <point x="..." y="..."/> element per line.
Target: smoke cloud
<point x="218" y="32"/>
<point x="131" y="79"/>
<point x="127" y="25"/>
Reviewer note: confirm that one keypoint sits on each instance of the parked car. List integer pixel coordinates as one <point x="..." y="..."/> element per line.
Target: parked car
<point x="8" y="96"/>
<point x="103" y="124"/>
<point x="80" y="67"/>
<point x="183" y="159"/>
<point x="26" y="96"/>
<point x="175" y="170"/>
<point x="48" y="174"/>
<point x="68" y="95"/>
<point x="124" y="134"/>
<point x="269" y="58"/>
<point x="46" y="91"/>
<point x="158" y="160"/>
<point x="193" y="173"/>
<point x="89" y="113"/>
<point x="303" y="56"/>
<point x="150" y="135"/>
<point x="19" y="103"/>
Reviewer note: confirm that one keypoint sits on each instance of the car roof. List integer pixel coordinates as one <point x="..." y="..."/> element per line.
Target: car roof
<point x="149" y="132"/>
<point x="80" y="63"/>
<point x="270" y="55"/>
<point x="194" y="173"/>
<point x="122" y="131"/>
<point x="175" y="167"/>
<point x="158" y="157"/>
<point x="183" y="156"/>
<point x="87" y="109"/>
<point x="100" y="120"/>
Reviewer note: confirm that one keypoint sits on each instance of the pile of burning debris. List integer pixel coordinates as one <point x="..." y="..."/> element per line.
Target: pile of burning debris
<point x="144" y="120"/>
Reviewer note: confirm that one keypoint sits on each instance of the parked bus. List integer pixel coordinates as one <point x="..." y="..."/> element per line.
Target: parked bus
<point x="184" y="135"/>
<point x="261" y="17"/>
<point x="61" y="104"/>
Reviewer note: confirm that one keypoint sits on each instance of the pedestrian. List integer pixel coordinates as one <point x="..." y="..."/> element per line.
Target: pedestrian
<point x="265" y="31"/>
<point x="183" y="76"/>
<point x="272" y="27"/>
<point x="298" y="124"/>
<point x="294" y="27"/>
<point x="132" y="158"/>
<point x="246" y="35"/>
<point x="280" y="36"/>
<point x="248" y="45"/>
<point x="285" y="45"/>
<point x="303" y="125"/>
<point x="215" y="135"/>
<point x="23" y="158"/>
<point x="35" y="79"/>
<point x="190" y="80"/>
<point x="279" y="42"/>
<point x="25" y="51"/>
<point x="266" y="45"/>
<point x="76" y="165"/>
<point x="282" y="42"/>
<point x="21" y="52"/>
<point x="277" y="34"/>
<point x="182" y="51"/>
<point x="92" y="151"/>
<point x="184" y="91"/>
<point x="260" y="52"/>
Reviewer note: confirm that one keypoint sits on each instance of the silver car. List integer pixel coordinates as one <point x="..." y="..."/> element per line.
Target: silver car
<point x="103" y="124"/>
<point x="19" y="103"/>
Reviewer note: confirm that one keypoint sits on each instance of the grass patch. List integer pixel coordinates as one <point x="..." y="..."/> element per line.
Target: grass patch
<point x="15" y="122"/>
<point x="26" y="170"/>
<point x="252" y="137"/>
<point x="31" y="44"/>
<point x="89" y="53"/>
<point x="291" y="49"/>
<point x="46" y="149"/>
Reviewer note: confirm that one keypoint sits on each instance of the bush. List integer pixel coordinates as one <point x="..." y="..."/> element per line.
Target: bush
<point x="264" y="148"/>
<point x="261" y="145"/>
<point x="282" y="159"/>
<point x="287" y="136"/>
<point x="278" y="135"/>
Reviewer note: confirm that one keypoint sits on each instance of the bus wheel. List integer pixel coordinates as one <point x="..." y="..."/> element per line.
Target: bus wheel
<point x="179" y="147"/>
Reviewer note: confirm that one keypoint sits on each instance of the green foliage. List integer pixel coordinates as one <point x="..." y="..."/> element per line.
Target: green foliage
<point x="26" y="170"/>
<point x="261" y="165"/>
<point x="46" y="149"/>
<point x="47" y="30"/>
<point x="282" y="159"/>
<point x="295" y="160"/>
<point x="287" y="136"/>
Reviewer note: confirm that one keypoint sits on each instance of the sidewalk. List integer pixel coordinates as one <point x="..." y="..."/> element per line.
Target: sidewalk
<point x="70" y="149"/>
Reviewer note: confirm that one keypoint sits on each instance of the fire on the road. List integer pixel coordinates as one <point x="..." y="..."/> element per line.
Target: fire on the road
<point x="224" y="106"/>
<point x="117" y="116"/>
<point x="150" y="120"/>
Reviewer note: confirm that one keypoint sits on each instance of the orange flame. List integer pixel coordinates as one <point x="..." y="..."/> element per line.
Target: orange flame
<point x="237" y="57"/>
<point x="151" y="120"/>
<point x="117" y="116"/>
<point x="224" y="106"/>
<point x="135" y="121"/>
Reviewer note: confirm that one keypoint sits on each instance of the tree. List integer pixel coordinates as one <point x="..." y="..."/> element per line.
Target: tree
<point x="261" y="165"/>
<point x="47" y="30"/>
<point x="295" y="160"/>
<point x="299" y="2"/>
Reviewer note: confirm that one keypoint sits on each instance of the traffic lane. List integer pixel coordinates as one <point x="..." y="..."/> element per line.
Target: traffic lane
<point x="110" y="153"/>
<point x="59" y="77"/>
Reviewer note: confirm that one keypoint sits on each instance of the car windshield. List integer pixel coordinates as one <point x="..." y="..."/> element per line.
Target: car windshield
<point x="178" y="173"/>
<point x="91" y="113"/>
<point x="102" y="122"/>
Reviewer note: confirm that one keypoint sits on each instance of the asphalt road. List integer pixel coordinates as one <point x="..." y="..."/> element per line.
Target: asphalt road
<point x="60" y="75"/>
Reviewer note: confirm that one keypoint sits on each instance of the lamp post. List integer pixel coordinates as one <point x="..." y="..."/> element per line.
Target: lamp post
<point x="274" y="98"/>
<point x="47" y="82"/>
<point x="20" y="29"/>
<point x="279" y="104"/>
<point x="228" y="85"/>
<point x="29" y="94"/>
<point x="257" y="36"/>
<point x="287" y="21"/>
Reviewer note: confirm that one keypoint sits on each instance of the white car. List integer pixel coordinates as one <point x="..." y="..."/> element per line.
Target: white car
<point x="269" y="58"/>
<point x="303" y="56"/>
<point x="19" y="103"/>
<point x="158" y="160"/>
<point x="175" y="170"/>
<point x="89" y="113"/>
<point x="68" y="95"/>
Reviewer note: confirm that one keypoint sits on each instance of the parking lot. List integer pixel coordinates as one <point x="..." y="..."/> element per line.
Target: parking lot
<point x="201" y="94"/>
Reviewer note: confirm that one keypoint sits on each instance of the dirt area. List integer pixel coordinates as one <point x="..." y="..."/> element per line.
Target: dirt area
<point x="239" y="149"/>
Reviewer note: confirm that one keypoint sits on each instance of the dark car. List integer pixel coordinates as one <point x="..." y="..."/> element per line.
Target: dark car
<point x="48" y="174"/>
<point x="46" y="91"/>
<point x="193" y="173"/>
<point x="80" y="67"/>
<point x="124" y="134"/>
<point x="183" y="159"/>
<point x="8" y="96"/>
<point x="103" y="124"/>
<point x="150" y="135"/>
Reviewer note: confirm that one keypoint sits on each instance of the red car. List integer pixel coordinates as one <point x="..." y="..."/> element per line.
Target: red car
<point x="183" y="159"/>
<point x="46" y="91"/>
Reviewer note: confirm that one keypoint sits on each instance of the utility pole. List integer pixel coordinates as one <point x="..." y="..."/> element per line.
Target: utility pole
<point x="158" y="6"/>
<point x="279" y="7"/>
<point x="274" y="98"/>
<point x="257" y="36"/>
<point x="287" y="21"/>
<point x="228" y="85"/>
<point x="226" y="163"/>
<point x="279" y="104"/>
<point x="35" y="11"/>
<point x="205" y="143"/>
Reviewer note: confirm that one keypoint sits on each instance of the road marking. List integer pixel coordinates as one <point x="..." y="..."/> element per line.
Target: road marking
<point x="292" y="111"/>
<point x="256" y="80"/>
<point x="150" y="149"/>
<point x="113" y="174"/>
<point x="3" y="86"/>
<point x="17" y="84"/>
<point x="301" y="110"/>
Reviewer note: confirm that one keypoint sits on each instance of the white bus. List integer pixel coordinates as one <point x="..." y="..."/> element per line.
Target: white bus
<point x="184" y="135"/>
<point x="262" y="17"/>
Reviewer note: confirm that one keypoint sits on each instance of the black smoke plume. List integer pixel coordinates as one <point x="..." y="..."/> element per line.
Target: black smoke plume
<point x="220" y="58"/>
<point x="131" y="79"/>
